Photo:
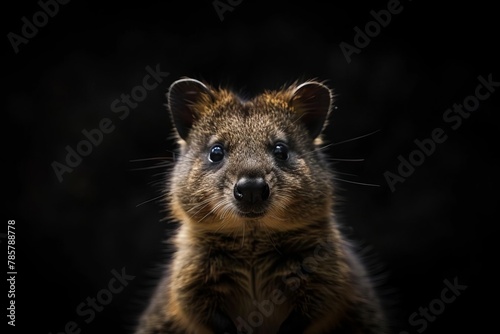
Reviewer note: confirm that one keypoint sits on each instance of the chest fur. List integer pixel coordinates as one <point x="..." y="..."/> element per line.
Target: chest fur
<point x="253" y="284"/>
<point x="255" y="280"/>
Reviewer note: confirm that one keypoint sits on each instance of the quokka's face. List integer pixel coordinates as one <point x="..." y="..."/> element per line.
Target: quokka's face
<point x="249" y="163"/>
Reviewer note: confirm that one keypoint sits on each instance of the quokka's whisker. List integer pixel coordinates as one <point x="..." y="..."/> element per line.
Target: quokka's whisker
<point x="353" y="139"/>
<point x="358" y="183"/>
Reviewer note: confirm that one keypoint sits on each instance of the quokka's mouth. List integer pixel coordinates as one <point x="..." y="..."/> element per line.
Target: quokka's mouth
<point x="251" y="214"/>
<point x="251" y="210"/>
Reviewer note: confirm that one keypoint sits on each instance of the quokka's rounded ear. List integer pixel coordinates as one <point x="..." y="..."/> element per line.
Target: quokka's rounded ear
<point x="312" y="101"/>
<point x="186" y="97"/>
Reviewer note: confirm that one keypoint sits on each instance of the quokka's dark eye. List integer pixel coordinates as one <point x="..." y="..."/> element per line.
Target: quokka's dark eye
<point x="280" y="151"/>
<point x="216" y="153"/>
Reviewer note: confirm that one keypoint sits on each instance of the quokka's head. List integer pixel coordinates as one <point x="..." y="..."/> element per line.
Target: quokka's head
<point x="252" y="162"/>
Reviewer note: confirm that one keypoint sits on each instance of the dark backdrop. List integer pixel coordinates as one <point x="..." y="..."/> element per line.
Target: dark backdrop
<point x="437" y="225"/>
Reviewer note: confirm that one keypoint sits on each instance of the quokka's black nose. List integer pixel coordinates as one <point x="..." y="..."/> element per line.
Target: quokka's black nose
<point x="251" y="190"/>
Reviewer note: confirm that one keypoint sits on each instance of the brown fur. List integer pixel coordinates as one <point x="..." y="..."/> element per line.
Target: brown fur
<point x="291" y="265"/>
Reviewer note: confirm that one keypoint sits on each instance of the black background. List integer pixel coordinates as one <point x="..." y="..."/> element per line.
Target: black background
<point x="439" y="224"/>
